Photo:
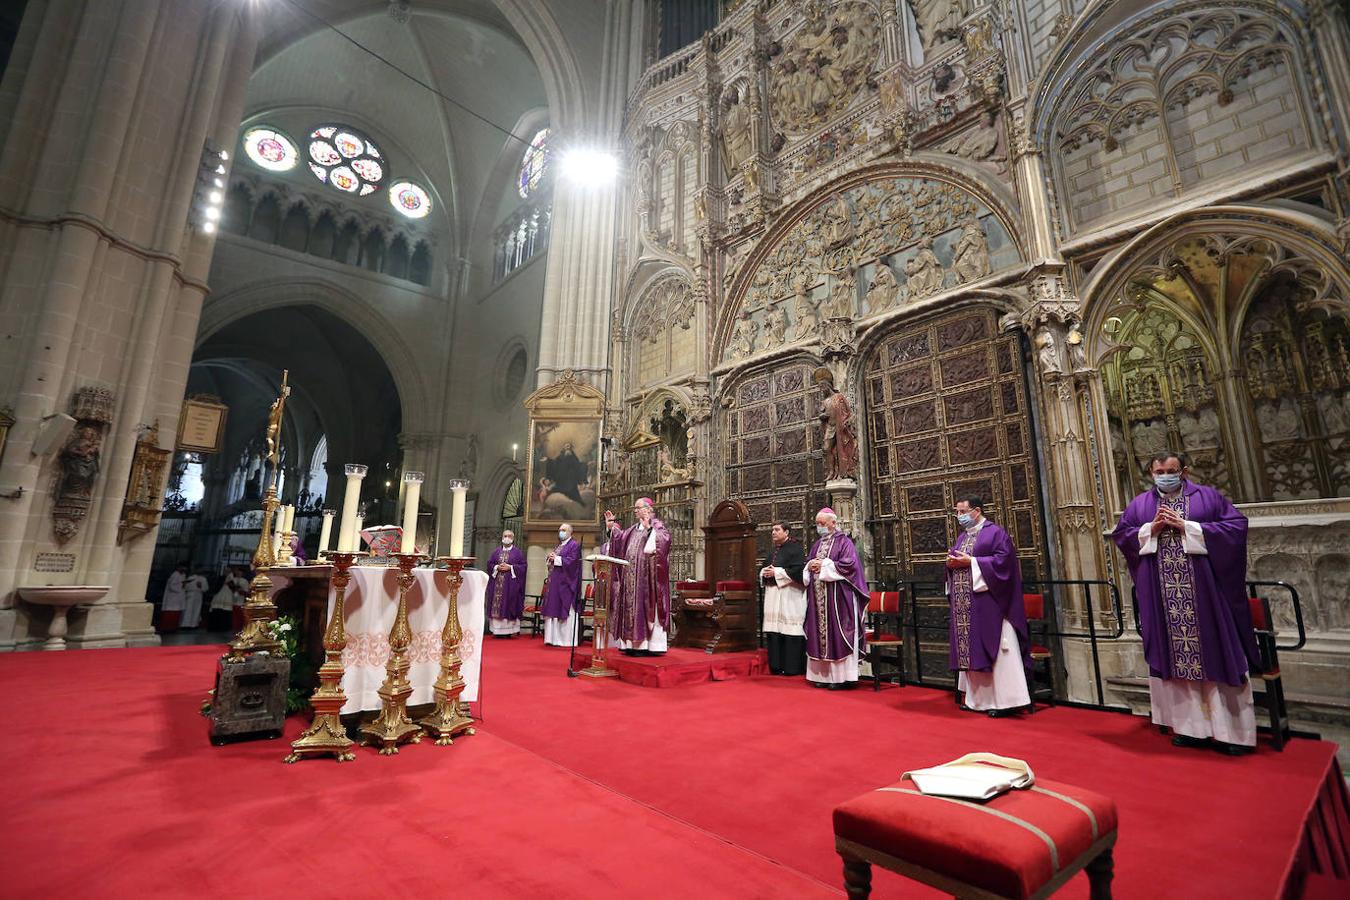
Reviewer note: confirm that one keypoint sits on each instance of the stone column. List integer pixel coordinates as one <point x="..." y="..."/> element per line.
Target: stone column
<point x="109" y="107"/>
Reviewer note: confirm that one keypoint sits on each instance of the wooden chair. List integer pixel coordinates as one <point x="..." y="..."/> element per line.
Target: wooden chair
<point x="885" y="638"/>
<point x="1040" y="654"/>
<point x="1272" y="698"/>
<point x="587" y="612"/>
<point x="534" y="610"/>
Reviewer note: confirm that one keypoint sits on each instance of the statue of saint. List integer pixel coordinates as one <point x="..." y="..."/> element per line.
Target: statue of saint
<point x="737" y="135"/>
<point x="883" y="290"/>
<point x="743" y="339"/>
<point x="804" y="310"/>
<point x="775" y="328"/>
<point x="840" y="305"/>
<point x="839" y="442"/>
<point x="970" y="259"/>
<point x="923" y="273"/>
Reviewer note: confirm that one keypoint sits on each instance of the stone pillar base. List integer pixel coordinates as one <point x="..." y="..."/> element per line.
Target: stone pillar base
<point x="8" y="621"/>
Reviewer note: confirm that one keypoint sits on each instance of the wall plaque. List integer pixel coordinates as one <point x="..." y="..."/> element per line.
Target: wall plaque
<point x="201" y="428"/>
<point x="54" y="562"/>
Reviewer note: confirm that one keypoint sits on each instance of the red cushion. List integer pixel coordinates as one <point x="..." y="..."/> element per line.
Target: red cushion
<point x="1258" y="608"/>
<point x="1039" y="652"/>
<point x="590" y="591"/>
<point x="970" y="843"/>
<point x="533" y="609"/>
<point x="692" y="586"/>
<point x="1035" y="605"/>
<point x="735" y="586"/>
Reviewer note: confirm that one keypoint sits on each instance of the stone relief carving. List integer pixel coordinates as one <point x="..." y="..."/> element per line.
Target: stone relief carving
<point x="823" y="64"/>
<point x="1047" y="354"/>
<point x="939" y="22"/>
<point x="775" y="329"/>
<point x="970" y="259"/>
<point x="876" y="221"/>
<point x="743" y="341"/>
<point x="923" y="273"/>
<point x="79" y="460"/>
<point x="884" y="290"/>
<point x="980" y="144"/>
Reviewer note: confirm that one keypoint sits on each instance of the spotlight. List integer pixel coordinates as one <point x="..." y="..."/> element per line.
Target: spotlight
<point x="590" y="167"/>
<point x="215" y="197"/>
<point x="209" y="227"/>
<point x="224" y="154"/>
<point x="209" y="195"/>
<point x="218" y="182"/>
<point x="212" y="213"/>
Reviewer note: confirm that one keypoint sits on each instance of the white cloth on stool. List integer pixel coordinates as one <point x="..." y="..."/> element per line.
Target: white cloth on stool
<point x="1205" y="709"/>
<point x="561" y="632"/>
<point x="1006" y="686"/>
<point x="504" y="626"/>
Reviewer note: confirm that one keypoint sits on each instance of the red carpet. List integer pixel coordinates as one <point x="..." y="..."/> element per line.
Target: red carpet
<point x="575" y="788"/>
<point x="680" y="666"/>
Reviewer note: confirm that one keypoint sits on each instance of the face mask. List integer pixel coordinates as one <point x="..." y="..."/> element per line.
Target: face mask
<point x="822" y="530"/>
<point x="1168" y="482"/>
<point x="964" y="519"/>
<point x="562" y="535"/>
<point x="507" y="542"/>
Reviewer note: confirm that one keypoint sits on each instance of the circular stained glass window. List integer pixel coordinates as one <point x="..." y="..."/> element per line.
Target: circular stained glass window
<point x="534" y="165"/>
<point x="270" y="149"/>
<point x="409" y="199"/>
<point x="343" y="157"/>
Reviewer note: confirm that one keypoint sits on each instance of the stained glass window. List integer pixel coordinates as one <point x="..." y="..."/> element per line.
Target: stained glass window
<point x="409" y="199"/>
<point x="270" y="149"/>
<point x="344" y="158"/>
<point x="534" y="166"/>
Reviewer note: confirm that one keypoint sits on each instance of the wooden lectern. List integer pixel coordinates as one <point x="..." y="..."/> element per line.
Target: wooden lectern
<point x="602" y="569"/>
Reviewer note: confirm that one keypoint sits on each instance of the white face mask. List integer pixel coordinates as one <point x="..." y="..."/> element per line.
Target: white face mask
<point x="507" y="542"/>
<point x="822" y="530"/>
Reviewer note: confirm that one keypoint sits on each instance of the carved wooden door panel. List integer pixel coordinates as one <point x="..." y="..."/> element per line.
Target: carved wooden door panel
<point x="773" y="462"/>
<point x="948" y="415"/>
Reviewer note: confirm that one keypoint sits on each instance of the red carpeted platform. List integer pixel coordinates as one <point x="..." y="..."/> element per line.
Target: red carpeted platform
<point x="578" y="788"/>
<point x="680" y="666"/>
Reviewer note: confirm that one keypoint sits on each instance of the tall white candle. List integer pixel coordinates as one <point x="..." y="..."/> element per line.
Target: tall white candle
<point x="288" y="518"/>
<point x="326" y="532"/>
<point x="412" y="493"/>
<point x="459" y="490"/>
<point x="347" y="540"/>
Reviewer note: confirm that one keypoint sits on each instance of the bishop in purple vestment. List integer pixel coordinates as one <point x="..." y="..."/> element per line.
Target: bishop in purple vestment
<point x="562" y="598"/>
<point x="506" y="587"/>
<point x="836" y="601"/>
<point x="1186" y="547"/>
<point x="990" y="643"/>
<point x="639" y="601"/>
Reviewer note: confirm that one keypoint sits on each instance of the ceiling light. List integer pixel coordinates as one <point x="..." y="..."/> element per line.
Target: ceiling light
<point x="590" y="167"/>
<point x="212" y="212"/>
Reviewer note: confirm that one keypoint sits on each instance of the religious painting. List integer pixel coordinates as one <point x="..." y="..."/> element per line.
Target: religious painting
<point x="564" y="464"/>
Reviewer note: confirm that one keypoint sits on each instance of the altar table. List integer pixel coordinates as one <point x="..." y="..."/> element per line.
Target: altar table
<point x="370" y="606"/>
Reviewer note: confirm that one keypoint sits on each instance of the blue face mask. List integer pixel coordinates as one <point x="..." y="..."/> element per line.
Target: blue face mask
<point x="822" y="530"/>
<point x="1167" y="483"/>
<point x="964" y="520"/>
<point x="562" y="535"/>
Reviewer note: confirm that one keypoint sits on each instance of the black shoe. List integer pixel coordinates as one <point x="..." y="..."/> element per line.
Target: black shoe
<point x="844" y="686"/>
<point x="629" y="652"/>
<point x="999" y="713"/>
<point x="1183" y="740"/>
<point x="818" y="684"/>
<point x="1233" y="749"/>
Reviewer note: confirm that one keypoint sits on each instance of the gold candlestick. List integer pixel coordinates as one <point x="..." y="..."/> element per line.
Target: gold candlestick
<point x="326" y="734"/>
<point x="448" y="719"/>
<point x="392" y="726"/>
<point x="259" y="608"/>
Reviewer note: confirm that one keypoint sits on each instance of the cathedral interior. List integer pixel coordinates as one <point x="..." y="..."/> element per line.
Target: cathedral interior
<point x="1031" y="242"/>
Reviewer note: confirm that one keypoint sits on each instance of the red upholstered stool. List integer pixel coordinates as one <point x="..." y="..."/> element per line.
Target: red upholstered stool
<point x="1021" y="844"/>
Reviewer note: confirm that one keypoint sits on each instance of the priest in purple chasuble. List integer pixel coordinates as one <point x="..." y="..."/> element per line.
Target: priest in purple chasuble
<point x="639" y="601"/>
<point x="1186" y="547"/>
<point x="562" y="596"/>
<point x="836" y="603"/>
<point x="990" y="643"/>
<point x="506" y="587"/>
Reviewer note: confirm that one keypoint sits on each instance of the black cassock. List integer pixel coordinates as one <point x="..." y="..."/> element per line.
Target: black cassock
<point x="785" y="610"/>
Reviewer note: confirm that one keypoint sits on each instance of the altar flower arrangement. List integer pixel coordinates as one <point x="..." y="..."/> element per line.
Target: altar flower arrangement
<point x="285" y="630"/>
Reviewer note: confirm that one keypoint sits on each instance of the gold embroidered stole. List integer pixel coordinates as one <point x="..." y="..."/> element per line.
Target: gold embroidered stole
<point x="1178" y="595"/>
<point x="637" y="540"/>
<point x="498" y="587"/>
<point x="822" y="595"/>
<point x="962" y="584"/>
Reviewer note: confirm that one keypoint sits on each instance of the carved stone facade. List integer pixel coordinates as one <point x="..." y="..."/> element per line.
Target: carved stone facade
<point x="874" y="176"/>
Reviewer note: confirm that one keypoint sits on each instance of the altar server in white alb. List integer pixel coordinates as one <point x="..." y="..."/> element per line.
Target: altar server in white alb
<point x="784" y="603"/>
<point x="563" y="595"/>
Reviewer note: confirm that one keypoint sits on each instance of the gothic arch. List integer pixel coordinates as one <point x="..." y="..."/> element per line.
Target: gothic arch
<point x="414" y="396"/>
<point x="949" y="197"/>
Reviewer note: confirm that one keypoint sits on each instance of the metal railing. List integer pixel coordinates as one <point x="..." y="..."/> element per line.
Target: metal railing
<point x="1252" y="592"/>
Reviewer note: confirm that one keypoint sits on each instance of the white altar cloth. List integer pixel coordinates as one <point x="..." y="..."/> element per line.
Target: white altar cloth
<point x="370" y="606"/>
